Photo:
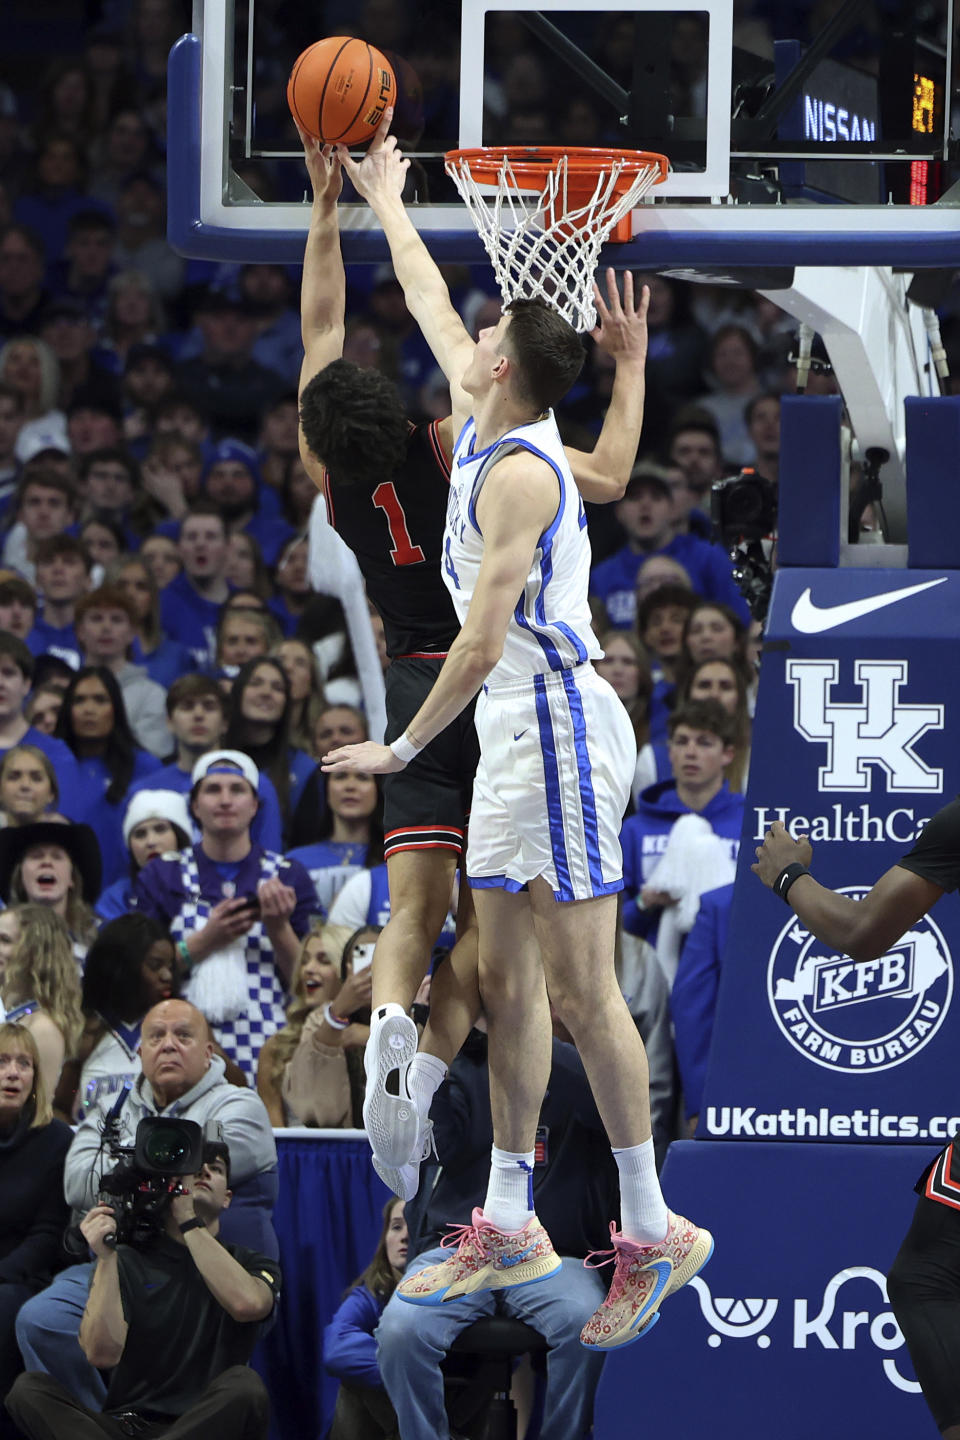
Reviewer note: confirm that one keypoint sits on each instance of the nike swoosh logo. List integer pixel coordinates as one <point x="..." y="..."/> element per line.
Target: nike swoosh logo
<point x="509" y="1260"/>
<point x="518" y="734"/>
<point x="811" y="619"/>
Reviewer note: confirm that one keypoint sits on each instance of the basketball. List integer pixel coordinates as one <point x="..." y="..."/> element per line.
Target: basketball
<point x="339" y="88"/>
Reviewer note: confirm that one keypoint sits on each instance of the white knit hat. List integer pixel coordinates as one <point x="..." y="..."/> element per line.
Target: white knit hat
<point x="157" y="805"/>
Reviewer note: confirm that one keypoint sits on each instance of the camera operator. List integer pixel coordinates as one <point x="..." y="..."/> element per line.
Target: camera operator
<point x="175" y="1319"/>
<point x="181" y="1076"/>
<point x="744" y="513"/>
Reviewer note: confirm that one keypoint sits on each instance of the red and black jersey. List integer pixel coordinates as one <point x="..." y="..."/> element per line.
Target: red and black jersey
<point x="396" y="533"/>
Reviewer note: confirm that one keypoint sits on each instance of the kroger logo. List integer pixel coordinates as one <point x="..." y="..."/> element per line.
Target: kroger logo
<point x="822" y="1323"/>
<point x="865" y="1017"/>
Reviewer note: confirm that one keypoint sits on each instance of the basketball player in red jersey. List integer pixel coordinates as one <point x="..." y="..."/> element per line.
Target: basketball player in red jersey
<point x="385" y="483"/>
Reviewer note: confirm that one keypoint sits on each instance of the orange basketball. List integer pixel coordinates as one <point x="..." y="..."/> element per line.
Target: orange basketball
<point x="339" y="88"/>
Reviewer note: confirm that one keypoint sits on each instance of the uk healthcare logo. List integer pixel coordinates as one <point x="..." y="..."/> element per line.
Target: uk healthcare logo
<point x="876" y="733"/>
<point x="822" y="1324"/>
<point x="859" y="1018"/>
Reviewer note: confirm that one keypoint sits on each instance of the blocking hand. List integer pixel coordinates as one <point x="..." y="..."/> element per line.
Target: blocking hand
<point x="622" y="328"/>
<point x="381" y="174"/>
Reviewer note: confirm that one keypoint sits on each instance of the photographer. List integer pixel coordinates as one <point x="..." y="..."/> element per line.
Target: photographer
<point x="175" y="1319"/>
<point x="743" y="511"/>
<point x="180" y="1077"/>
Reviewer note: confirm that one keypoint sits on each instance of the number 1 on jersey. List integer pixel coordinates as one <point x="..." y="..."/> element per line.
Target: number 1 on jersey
<point x="404" y="551"/>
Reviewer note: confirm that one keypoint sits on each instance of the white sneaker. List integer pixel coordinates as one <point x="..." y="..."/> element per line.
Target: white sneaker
<point x="391" y="1120"/>
<point x="404" y="1180"/>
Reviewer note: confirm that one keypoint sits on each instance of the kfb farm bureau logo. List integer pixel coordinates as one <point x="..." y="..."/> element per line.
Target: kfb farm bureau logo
<point x="860" y="1017"/>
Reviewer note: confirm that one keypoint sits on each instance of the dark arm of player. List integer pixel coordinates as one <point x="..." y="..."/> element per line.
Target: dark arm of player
<point x="863" y="929"/>
<point x="602" y="474"/>
<point x="323" y="290"/>
<point x="516" y="504"/>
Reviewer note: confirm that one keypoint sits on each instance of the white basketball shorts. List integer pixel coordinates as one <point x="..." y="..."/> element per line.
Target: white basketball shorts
<point x="557" y="756"/>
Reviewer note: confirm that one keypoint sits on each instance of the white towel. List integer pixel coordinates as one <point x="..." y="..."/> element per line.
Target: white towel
<point x="695" y="860"/>
<point x="334" y="571"/>
<point x="218" y="986"/>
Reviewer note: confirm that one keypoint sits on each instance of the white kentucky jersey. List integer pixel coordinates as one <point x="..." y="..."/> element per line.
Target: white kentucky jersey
<point x="550" y="626"/>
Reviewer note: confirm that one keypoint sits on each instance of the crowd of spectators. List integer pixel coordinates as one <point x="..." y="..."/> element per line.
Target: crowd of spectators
<point x="155" y="603"/>
<point x="169" y="678"/>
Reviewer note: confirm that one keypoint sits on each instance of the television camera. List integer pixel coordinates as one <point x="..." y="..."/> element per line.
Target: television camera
<point x="743" y="510"/>
<point x="149" y="1172"/>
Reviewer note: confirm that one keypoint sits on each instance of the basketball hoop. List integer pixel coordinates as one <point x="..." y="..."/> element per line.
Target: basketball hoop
<point x="552" y="210"/>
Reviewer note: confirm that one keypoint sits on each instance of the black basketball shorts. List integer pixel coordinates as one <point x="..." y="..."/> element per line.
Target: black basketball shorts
<point x="425" y="805"/>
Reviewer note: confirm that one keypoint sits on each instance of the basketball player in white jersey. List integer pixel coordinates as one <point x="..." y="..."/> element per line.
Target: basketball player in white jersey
<point x="557" y="756"/>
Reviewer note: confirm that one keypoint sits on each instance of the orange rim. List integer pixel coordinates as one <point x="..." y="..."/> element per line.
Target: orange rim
<point x="531" y="163"/>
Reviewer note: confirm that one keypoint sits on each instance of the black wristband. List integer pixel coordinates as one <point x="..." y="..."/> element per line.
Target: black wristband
<point x="781" y="886"/>
<point x="194" y="1223"/>
<point x="419" y="1014"/>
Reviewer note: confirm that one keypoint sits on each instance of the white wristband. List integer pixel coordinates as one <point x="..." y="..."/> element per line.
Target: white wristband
<point x="335" y="1022"/>
<point x="405" y="749"/>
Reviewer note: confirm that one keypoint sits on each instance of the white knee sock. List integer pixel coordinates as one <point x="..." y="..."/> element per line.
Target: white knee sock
<point x="643" y="1211"/>
<point x="424" y="1077"/>
<point x="509" y="1202"/>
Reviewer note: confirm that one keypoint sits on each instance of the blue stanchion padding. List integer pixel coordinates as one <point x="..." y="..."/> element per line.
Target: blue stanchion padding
<point x="786" y="1332"/>
<point x="809" y="481"/>
<point x="933" y="490"/>
<point x="854" y="744"/>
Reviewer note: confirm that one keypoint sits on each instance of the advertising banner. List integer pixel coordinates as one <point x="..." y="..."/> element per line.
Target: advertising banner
<point x="856" y="746"/>
<point x="787" y="1331"/>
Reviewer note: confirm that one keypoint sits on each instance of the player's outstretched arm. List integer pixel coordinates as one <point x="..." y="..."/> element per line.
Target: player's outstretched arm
<point x="517" y="503"/>
<point x="863" y="929"/>
<point x="602" y="474"/>
<point x="323" y="291"/>
<point x="379" y="178"/>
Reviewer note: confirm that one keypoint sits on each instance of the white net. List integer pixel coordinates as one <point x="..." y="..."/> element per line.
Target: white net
<point x="545" y="246"/>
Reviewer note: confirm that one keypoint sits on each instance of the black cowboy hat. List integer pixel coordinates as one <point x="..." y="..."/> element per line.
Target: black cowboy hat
<point x="79" y="841"/>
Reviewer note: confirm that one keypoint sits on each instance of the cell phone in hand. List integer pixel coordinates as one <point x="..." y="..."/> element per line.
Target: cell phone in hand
<point x="362" y="956"/>
<point x="252" y="902"/>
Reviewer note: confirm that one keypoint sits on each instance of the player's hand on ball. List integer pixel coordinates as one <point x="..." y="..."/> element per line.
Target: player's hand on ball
<point x="323" y="167"/>
<point x="368" y="758"/>
<point x="779" y="849"/>
<point x="382" y="172"/>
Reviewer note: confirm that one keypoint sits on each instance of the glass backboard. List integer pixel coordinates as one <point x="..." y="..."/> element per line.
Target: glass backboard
<point x="807" y="135"/>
